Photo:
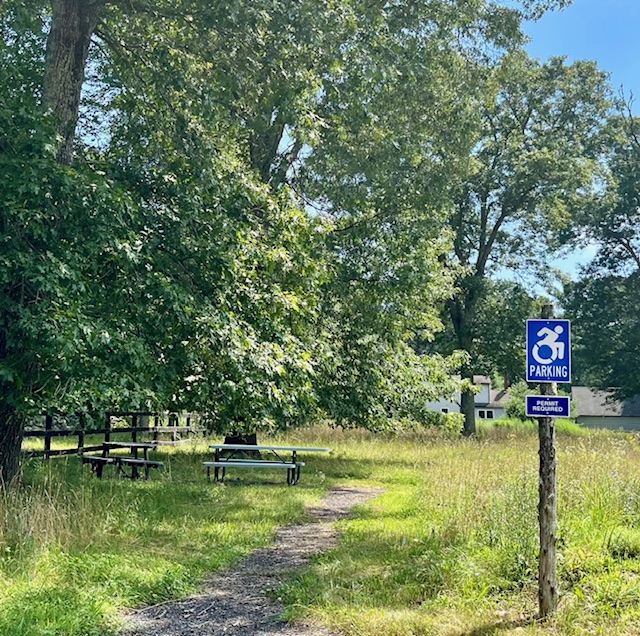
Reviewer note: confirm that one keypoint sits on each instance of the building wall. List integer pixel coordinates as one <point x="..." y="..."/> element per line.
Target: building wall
<point x="611" y="423"/>
<point x="481" y="412"/>
<point x="444" y="406"/>
<point x="484" y="395"/>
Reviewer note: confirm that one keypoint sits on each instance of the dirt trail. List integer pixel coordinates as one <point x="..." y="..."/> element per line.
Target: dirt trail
<point x="236" y="602"/>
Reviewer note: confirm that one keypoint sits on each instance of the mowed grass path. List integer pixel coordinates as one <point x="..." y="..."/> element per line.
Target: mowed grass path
<point x="450" y="548"/>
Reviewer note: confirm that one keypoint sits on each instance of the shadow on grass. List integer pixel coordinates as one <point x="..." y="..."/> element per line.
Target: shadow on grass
<point x="493" y="629"/>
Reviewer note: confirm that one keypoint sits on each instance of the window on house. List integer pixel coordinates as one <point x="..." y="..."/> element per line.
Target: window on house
<point x="489" y="415"/>
<point x="481" y="414"/>
<point x="445" y="410"/>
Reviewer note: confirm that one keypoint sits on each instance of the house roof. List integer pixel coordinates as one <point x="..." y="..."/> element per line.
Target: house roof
<point x="597" y="403"/>
<point x="499" y="398"/>
<point x="481" y="379"/>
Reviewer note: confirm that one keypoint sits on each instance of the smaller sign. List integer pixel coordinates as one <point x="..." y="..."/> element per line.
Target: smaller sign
<point x="547" y="406"/>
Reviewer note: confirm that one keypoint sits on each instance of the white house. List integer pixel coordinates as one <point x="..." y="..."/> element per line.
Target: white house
<point x="490" y="403"/>
<point x="598" y="409"/>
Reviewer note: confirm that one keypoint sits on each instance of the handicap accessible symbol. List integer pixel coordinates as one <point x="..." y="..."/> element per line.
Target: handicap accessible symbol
<point x="550" y="340"/>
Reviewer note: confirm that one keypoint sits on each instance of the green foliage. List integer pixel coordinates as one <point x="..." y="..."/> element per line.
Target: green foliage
<point x="176" y="262"/>
<point x="501" y="329"/>
<point x="606" y="331"/>
<point x="602" y="303"/>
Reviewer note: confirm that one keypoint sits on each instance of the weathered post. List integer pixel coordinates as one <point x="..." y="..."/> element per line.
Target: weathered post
<point x="547" y="506"/>
<point x="48" y="427"/>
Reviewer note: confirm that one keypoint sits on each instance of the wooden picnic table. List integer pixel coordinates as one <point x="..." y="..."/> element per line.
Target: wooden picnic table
<point x="277" y="457"/>
<point x="98" y="462"/>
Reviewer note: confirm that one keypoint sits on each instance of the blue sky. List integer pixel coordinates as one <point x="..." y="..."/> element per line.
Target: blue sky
<point x="607" y="31"/>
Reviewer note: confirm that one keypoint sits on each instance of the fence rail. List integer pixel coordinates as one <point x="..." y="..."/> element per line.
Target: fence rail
<point x="155" y="425"/>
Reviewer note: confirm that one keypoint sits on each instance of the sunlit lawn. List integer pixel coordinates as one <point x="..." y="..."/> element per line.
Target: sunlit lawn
<point x="450" y="548"/>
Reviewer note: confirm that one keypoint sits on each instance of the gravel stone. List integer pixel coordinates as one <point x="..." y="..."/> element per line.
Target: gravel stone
<point x="236" y="602"/>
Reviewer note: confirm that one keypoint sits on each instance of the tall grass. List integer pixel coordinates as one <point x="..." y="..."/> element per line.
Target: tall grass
<point x="451" y="547"/>
<point x="74" y="550"/>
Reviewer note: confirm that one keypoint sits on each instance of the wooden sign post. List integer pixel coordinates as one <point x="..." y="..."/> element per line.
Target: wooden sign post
<point x="547" y="506"/>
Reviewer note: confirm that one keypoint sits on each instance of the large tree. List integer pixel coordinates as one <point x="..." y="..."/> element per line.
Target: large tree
<point x="160" y="249"/>
<point x="533" y="166"/>
<point x="603" y="304"/>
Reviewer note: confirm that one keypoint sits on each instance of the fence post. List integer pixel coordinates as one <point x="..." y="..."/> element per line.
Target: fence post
<point x="134" y="426"/>
<point x="145" y="423"/>
<point x="107" y="428"/>
<point x="48" y="427"/>
<point x="82" y="423"/>
<point x="173" y="421"/>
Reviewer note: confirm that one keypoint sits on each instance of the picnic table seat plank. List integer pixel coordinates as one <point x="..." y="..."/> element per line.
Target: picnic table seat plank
<point x="254" y="463"/>
<point x="301" y="449"/>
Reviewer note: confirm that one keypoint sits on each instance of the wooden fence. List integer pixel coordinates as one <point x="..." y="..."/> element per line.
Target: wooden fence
<point x="114" y="423"/>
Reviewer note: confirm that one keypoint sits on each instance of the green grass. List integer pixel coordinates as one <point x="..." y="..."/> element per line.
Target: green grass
<point x="74" y="549"/>
<point x="450" y="548"/>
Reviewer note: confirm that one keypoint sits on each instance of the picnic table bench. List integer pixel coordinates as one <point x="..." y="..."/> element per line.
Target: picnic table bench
<point x="277" y="457"/>
<point x="98" y="462"/>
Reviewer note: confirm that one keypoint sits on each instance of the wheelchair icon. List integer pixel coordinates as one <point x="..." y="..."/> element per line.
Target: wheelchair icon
<point x="549" y="340"/>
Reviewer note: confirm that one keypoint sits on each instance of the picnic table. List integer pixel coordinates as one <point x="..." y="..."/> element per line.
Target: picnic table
<point x="133" y="461"/>
<point x="284" y="457"/>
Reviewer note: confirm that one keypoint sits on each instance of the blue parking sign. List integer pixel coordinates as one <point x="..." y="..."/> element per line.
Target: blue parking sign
<point x="548" y="351"/>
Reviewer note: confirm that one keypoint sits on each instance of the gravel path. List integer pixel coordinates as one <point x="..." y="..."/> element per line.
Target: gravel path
<point x="236" y="602"/>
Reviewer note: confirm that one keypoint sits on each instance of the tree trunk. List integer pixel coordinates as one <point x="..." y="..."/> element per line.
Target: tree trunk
<point x="73" y="23"/>
<point x="468" y="409"/>
<point x="250" y="439"/>
<point x="11" y="433"/>
<point x="462" y="310"/>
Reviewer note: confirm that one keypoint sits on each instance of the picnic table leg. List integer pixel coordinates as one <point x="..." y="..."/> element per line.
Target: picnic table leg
<point x="295" y="470"/>
<point x="216" y="472"/>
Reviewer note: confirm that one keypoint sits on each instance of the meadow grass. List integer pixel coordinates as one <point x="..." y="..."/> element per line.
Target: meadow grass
<point x="75" y="550"/>
<point x="450" y="548"/>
